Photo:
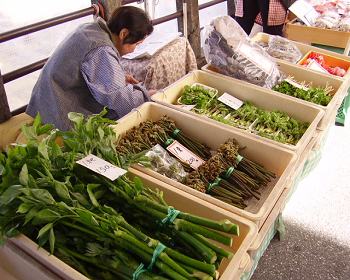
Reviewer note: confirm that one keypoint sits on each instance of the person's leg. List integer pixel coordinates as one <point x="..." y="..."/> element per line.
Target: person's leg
<point x="264" y="6"/>
<point x="250" y="11"/>
<point x="274" y="30"/>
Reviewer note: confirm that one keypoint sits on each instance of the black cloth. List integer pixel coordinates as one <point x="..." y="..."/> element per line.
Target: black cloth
<point x="251" y="8"/>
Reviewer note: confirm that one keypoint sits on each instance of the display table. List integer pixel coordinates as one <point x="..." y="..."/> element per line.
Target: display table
<point x="165" y="67"/>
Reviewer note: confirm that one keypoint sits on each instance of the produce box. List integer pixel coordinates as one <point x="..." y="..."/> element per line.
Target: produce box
<point x="329" y="60"/>
<point x="305" y="48"/>
<point x="299" y="167"/>
<point x="266" y="233"/>
<point x="261" y="97"/>
<point x="229" y="269"/>
<point x="274" y="158"/>
<point x="318" y="80"/>
<point x="18" y="265"/>
<point x="317" y="35"/>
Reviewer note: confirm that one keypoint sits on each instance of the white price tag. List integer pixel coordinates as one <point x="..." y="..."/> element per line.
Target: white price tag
<point x="102" y="167"/>
<point x="297" y="85"/>
<point x="264" y="63"/>
<point x="314" y="65"/>
<point x="185" y="107"/>
<point x="230" y="101"/>
<point x="185" y="155"/>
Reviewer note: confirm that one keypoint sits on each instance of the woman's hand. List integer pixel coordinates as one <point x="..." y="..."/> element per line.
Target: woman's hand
<point x="131" y="80"/>
<point x="151" y="92"/>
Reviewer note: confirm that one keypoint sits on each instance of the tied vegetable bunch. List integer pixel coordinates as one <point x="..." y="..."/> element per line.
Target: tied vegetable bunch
<point x="230" y="177"/>
<point x="198" y="95"/>
<point x="150" y="133"/>
<point x="317" y="95"/>
<point x="104" y="229"/>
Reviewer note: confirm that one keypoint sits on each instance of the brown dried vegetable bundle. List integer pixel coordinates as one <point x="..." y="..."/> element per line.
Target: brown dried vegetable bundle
<point x="230" y="177"/>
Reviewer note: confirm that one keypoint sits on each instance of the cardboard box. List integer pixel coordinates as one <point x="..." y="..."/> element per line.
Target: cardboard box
<point x="322" y="36"/>
<point x="229" y="269"/>
<point x="275" y="158"/>
<point x="261" y="97"/>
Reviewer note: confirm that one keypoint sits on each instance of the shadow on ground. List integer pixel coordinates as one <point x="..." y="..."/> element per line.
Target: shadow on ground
<point x="304" y="255"/>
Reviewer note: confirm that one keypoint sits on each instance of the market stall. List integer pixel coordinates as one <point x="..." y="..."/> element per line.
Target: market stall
<point x="189" y="186"/>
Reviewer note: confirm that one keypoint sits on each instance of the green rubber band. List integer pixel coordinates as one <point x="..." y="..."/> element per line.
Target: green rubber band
<point x="172" y="214"/>
<point x="176" y="132"/>
<point x="157" y="251"/>
<point x="139" y="270"/>
<point x="239" y="159"/>
<point x="169" y="142"/>
<point x="229" y="172"/>
<point x="214" y="184"/>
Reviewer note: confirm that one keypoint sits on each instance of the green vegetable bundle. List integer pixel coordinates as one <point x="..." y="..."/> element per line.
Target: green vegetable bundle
<point x="197" y="95"/>
<point x="104" y="229"/>
<point x="315" y="95"/>
<point x="270" y="124"/>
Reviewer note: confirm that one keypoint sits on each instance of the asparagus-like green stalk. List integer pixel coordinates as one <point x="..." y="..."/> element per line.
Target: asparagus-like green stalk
<point x="216" y="249"/>
<point x="207" y="253"/>
<point x="192" y="228"/>
<point x="225" y="225"/>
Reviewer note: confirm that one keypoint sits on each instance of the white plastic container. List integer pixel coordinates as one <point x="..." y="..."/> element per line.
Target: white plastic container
<point x="275" y="158"/>
<point x="229" y="269"/>
<point x="261" y="97"/>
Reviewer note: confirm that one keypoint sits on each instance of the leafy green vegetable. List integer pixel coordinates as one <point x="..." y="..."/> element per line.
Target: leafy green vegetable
<point x="47" y="196"/>
<point x="315" y="95"/>
<point x="270" y="124"/>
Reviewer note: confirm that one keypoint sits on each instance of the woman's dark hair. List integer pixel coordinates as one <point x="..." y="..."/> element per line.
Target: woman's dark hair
<point x="133" y="19"/>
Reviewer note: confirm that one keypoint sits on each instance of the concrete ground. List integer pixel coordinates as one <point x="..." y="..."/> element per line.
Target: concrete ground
<point x="317" y="240"/>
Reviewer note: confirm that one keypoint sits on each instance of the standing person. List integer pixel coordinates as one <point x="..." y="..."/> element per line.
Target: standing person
<point x="270" y="13"/>
<point x="84" y="73"/>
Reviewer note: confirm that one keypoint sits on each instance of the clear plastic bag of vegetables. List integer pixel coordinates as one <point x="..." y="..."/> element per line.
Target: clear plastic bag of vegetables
<point x="163" y="163"/>
<point x="228" y="49"/>
<point x="282" y="48"/>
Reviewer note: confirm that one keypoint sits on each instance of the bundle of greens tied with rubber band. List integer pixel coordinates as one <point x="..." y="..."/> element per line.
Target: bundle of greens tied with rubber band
<point x="230" y="177"/>
<point x="274" y="125"/>
<point x="317" y="95"/>
<point x="227" y="175"/>
<point x="163" y="132"/>
<point x="105" y="229"/>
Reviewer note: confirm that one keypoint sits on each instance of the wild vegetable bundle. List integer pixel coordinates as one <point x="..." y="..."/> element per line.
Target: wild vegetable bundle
<point x="275" y="125"/>
<point x="317" y="95"/>
<point x="105" y="229"/>
<point x="226" y="175"/>
<point x="230" y="177"/>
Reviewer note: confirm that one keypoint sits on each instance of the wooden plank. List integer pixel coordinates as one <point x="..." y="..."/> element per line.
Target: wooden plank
<point x="180" y="23"/>
<point x="5" y="113"/>
<point x="193" y="27"/>
<point x="231" y="8"/>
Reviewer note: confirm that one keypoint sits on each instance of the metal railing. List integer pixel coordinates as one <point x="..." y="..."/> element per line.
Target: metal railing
<point x="16" y="33"/>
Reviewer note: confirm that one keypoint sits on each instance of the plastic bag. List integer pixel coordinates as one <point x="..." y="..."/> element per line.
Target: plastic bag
<point x="344" y="24"/>
<point x="328" y="19"/>
<point x="228" y="48"/>
<point x="166" y="165"/>
<point x="284" y="49"/>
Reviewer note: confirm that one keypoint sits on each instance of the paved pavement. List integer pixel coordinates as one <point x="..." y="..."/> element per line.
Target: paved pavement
<point x="317" y="219"/>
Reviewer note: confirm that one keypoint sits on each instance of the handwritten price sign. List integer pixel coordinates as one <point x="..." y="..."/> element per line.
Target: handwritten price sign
<point x="185" y="155"/>
<point x="102" y="167"/>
